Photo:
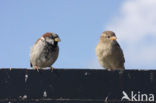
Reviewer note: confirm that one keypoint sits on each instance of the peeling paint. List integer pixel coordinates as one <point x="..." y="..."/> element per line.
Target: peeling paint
<point x="45" y="94"/>
<point x="60" y="98"/>
<point x="106" y="99"/>
<point x="121" y="72"/>
<point x="26" y="78"/>
<point x="151" y="76"/>
<point x="86" y="73"/>
<point x="129" y="76"/>
<point x="45" y="86"/>
<point x="24" y="97"/>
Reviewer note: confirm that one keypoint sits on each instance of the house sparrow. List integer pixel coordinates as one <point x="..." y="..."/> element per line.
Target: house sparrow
<point x="45" y="51"/>
<point x="109" y="53"/>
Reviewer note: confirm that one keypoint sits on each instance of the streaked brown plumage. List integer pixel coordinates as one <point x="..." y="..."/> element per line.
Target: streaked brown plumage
<point x="109" y="53"/>
<point x="45" y="51"/>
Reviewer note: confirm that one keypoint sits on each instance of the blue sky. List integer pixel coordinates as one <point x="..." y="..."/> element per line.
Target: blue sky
<point x="79" y="24"/>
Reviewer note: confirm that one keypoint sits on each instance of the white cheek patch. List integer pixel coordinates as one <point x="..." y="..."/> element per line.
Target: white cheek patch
<point x="42" y="39"/>
<point x="51" y="41"/>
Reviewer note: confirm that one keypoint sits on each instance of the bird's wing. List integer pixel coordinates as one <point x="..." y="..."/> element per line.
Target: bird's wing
<point x="120" y="51"/>
<point x="31" y="55"/>
<point x="30" y="64"/>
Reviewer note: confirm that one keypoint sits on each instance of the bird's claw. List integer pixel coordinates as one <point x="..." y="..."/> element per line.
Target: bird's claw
<point x="52" y="69"/>
<point x="37" y="68"/>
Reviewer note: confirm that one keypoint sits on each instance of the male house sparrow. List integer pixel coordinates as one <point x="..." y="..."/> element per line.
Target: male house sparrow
<point x="109" y="53"/>
<point x="45" y="51"/>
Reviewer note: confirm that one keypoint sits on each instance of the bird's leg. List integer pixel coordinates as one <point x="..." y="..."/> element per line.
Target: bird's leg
<point x="108" y="69"/>
<point x="37" y="68"/>
<point x="121" y="72"/>
<point x="51" y="68"/>
<point x="10" y="68"/>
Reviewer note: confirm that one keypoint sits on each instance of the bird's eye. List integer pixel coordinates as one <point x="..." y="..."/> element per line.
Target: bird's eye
<point x="108" y="36"/>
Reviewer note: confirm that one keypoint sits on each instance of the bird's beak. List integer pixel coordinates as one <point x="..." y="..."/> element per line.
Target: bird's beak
<point x="113" y="38"/>
<point x="57" y="39"/>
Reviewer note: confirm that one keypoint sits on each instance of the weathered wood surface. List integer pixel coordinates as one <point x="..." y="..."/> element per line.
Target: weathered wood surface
<point x="73" y="85"/>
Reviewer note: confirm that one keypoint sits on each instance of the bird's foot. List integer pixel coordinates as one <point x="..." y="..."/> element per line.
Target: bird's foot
<point x="52" y="69"/>
<point x="121" y="72"/>
<point x="37" y="68"/>
<point x="109" y="69"/>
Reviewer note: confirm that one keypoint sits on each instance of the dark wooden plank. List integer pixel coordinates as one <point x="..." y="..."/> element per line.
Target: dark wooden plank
<point x="74" y="84"/>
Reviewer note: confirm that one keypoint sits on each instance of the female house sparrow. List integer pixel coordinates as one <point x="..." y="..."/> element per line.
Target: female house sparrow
<point x="45" y="51"/>
<point x="109" y="53"/>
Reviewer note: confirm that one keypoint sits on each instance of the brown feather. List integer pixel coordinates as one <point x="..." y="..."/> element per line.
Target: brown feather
<point x="48" y="34"/>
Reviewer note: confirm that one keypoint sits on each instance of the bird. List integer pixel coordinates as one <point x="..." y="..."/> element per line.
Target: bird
<point x="45" y="51"/>
<point x="109" y="53"/>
